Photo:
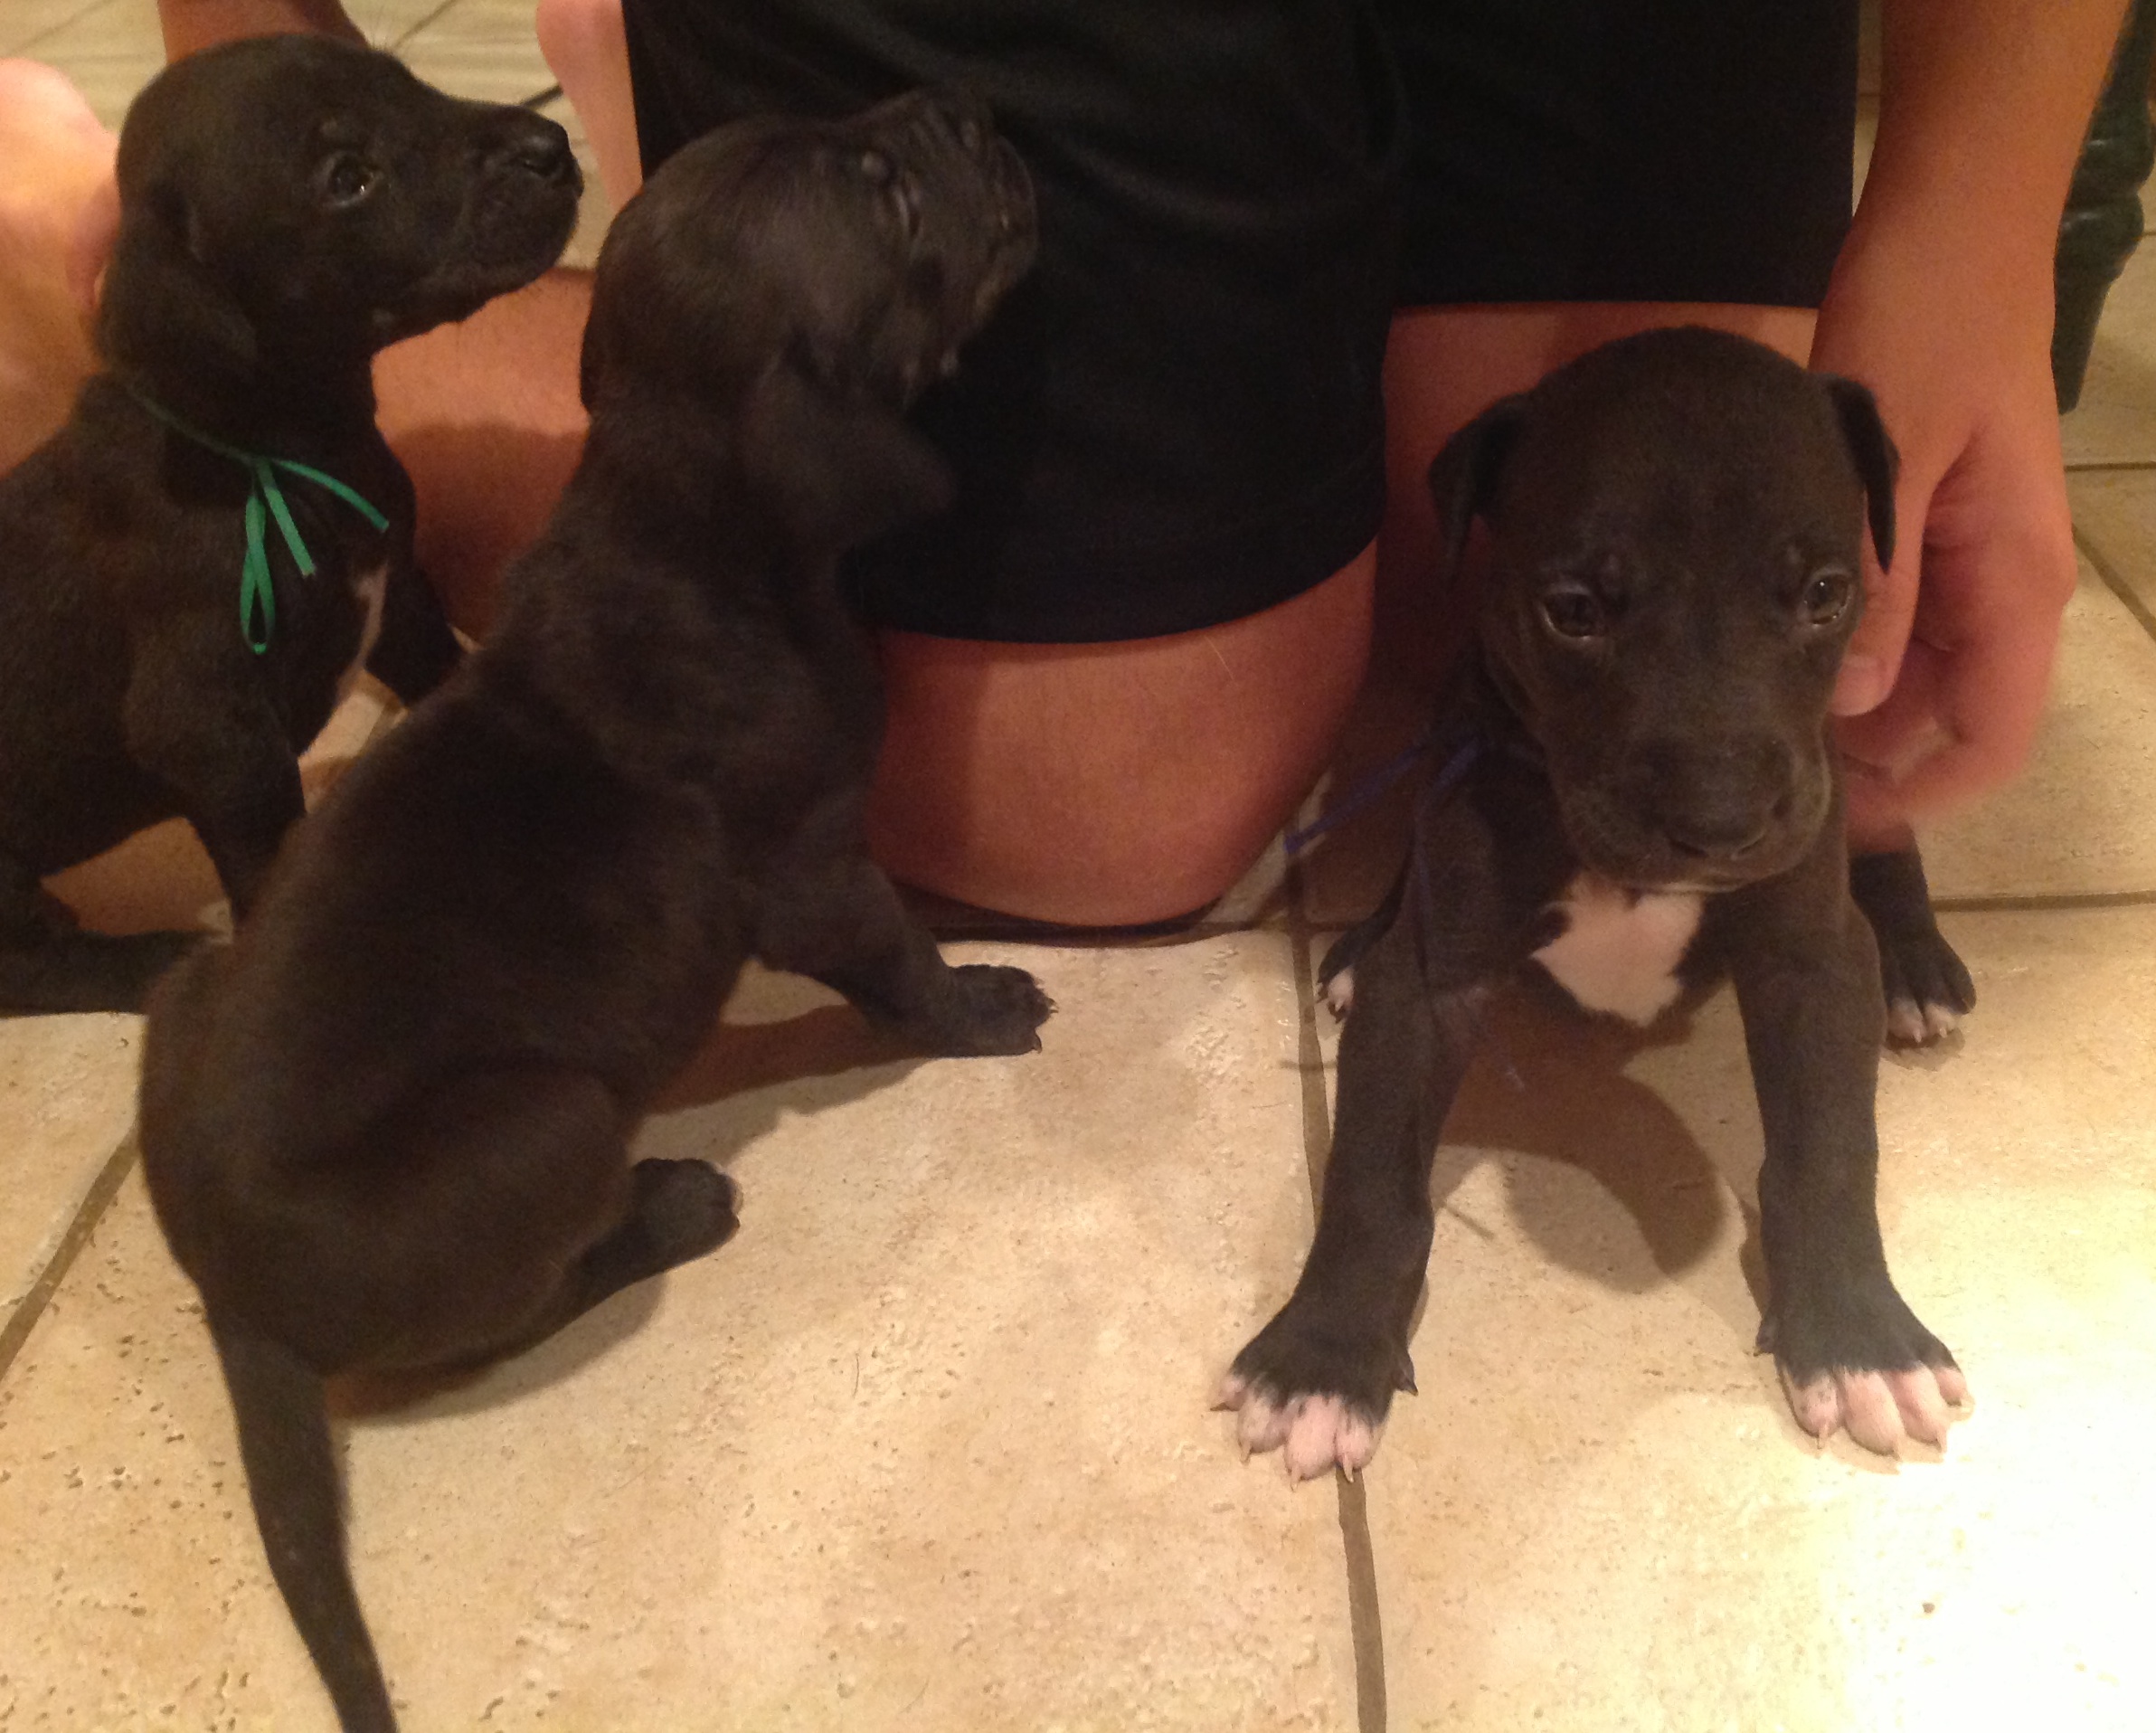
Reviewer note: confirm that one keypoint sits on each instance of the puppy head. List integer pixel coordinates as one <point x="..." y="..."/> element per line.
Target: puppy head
<point x="292" y="200"/>
<point x="798" y="282"/>
<point x="1677" y="525"/>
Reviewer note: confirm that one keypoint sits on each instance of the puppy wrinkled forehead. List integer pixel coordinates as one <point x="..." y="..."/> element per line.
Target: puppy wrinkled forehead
<point x="1714" y="453"/>
<point x="240" y="110"/>
<point x="896" y="226"/>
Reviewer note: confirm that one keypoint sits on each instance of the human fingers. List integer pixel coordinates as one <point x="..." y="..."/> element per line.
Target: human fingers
<point x="1998" y="570"/>
<point x="1871" y="664"/>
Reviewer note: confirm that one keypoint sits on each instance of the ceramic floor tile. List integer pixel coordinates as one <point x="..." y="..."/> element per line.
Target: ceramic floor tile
<point x="2116" y="421"/>
<point x="2079" y="819"/>
<point x="66" y="1097"/>
<point x="108" y="52"/>
<point x="2114" y="519"/>
<point x="483" y="51"/>
<point x="927" y="1445"/>
<point x="26" y="24"/>
<point x="387" y="23"/>
<point x="1598" y="1514"/>
<point x="101" y="31"/>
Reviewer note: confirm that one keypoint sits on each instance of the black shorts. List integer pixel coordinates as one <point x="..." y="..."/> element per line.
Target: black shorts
<point x="1176" y="421"/>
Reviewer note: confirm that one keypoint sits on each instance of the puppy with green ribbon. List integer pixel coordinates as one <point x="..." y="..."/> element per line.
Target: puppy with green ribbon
<point x="197" y="564"/>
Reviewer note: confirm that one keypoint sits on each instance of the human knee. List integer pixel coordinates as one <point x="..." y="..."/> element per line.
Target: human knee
<point x="1169" y="847"/>
<point x="1119" y="783"/>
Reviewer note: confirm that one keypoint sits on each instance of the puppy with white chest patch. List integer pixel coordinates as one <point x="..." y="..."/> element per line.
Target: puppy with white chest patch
<point x="1637" y="789"/>
<point x="196" y="564"/>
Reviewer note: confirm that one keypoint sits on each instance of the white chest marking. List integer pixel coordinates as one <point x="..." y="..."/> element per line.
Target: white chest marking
<point x="1620" y="949"/>
<point x="368" y="588"/>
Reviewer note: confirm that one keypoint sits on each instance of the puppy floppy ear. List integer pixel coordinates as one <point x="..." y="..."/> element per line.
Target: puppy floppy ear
<point x="161" y="303"/>
<point x="1463" y="476"/>
<point x="838" y="467"/>
<point x="1877" y="462"/>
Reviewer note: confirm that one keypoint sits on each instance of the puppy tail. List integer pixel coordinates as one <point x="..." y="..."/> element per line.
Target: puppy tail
<point x="292" y="1480"/>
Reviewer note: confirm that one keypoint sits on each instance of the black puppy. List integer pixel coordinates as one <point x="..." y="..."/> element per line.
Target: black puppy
<point x="1637" y="789"/>
<point x="388" y="1127"/>
<point x="195" y="564"/>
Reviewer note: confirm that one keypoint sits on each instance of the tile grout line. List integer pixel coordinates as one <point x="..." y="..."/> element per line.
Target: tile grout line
<point x="28" y="1309"/>
<point x="399" y="42"/>
<point x="2117" y="585"/>
<point x="996" y="929"/>
<point x="21" y="50"/>
<point x="2059" y="902"/>
<point x="1366" y="1623"/>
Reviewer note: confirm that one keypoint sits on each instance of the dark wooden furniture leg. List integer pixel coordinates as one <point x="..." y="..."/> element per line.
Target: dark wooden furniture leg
<point x="2103" y="221"/>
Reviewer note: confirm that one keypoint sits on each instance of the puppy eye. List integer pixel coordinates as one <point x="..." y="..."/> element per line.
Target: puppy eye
<point x="344" y="179"/>
<point x="1574" y="611"/>
<point x="1827" y="596"/>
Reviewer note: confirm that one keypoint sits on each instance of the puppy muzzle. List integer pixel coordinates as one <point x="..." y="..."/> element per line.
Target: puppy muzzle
<point x="1709" y="817"/>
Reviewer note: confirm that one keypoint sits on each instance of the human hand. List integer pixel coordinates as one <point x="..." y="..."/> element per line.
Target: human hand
<point x="58" y="212"/>
<point x="1946" y="680"/>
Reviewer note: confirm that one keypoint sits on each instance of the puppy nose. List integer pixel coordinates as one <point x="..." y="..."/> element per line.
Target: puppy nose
<point x="1715" y="836"/>
<point x="540" y="149"/>
<point x="1718" y="806"/>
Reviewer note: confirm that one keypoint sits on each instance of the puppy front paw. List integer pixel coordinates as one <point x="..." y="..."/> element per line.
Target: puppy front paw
<point x="1863" y="1364"/>
<point x="1316" y="1393"/>
<point x="1880" y="1408"/>
<point x="1927" y="987"/>
<point x="993" y="1009"/>
<point x="1927" y="990"/>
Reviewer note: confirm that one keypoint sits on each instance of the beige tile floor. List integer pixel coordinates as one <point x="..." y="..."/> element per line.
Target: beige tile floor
<point x="928" y="1445"/>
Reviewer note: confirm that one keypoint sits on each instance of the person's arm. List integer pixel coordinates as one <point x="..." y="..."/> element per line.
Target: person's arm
<point x="1942" y="303"/>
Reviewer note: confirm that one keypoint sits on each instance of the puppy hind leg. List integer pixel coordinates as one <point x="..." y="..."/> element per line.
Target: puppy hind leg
<point x="524" y="1213"/>
<point x="677" y="1210"/>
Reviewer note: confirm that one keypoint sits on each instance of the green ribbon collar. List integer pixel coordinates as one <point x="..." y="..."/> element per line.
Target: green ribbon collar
<point x="265" y="500"/>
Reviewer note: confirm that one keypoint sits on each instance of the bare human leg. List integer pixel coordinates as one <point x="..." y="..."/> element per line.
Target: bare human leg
<point x="58" y="213"/>
<point x="586" y="47"/>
